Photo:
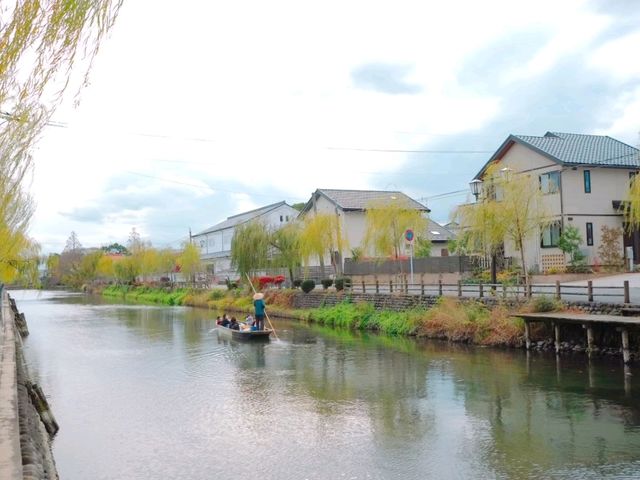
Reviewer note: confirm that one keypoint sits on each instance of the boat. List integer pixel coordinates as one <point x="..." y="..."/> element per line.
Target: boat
<point x="244" y="335"/>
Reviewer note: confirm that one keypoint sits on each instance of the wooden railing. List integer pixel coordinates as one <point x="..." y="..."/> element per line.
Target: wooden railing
<point x="480" y="290"/>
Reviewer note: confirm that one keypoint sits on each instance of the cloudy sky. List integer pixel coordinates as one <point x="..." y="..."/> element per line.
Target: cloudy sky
<point x="199" y="110"/>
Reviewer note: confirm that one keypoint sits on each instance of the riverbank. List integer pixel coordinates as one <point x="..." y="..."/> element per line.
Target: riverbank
<point x="468" y="322"/>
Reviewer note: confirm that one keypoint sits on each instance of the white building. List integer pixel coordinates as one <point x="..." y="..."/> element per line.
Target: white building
<point x="584" y="179"/>
<point x="215" y="242"/>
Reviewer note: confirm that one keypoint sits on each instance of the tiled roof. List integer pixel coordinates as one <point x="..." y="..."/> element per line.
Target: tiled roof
<point x="360" y="199"/>
<point x="241" y="218"/>
<point x="576" y="149"/>
<point x="437" y="232"/>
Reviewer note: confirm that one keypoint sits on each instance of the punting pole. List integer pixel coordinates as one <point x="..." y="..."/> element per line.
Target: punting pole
<point x="265" y="312"/>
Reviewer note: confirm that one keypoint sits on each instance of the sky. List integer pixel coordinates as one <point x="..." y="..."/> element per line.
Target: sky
<point x="199" y="110"/>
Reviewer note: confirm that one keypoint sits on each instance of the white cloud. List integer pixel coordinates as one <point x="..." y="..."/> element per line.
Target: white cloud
<point x="246" y="98"/>
<point x="618" y="57"/>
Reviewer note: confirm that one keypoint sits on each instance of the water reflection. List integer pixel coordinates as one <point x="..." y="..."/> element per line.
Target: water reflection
<point x="159" y="391"/>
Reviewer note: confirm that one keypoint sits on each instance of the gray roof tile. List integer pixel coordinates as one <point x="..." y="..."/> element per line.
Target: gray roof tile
<point x="578" y="149"/>
<point x="360" y="199"/>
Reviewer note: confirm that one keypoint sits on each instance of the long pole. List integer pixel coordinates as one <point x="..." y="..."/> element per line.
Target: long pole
<point x="265" y="312"/>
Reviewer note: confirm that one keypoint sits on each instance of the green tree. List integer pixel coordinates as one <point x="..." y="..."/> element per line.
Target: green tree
<point x="40" y="44"/>
<point x="422" y="248"/>
<point x="387" y="220"/>
<point x="115" y="248"/>
<point x="189" y="261"/>
<point x="250" y="248"/>
<point x="286" y="244"/>
<point x="510" y="208"/>
<point x="569" y="242"/>
<point x="321" y="235"/>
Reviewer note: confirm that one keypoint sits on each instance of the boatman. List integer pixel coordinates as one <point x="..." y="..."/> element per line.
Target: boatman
<point x="259" y="306"/>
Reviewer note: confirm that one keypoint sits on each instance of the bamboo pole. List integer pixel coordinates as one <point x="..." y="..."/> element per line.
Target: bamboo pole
<point x="265" y="312"/>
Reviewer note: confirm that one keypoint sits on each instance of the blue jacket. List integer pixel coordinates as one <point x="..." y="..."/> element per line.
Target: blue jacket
<point x="259" y="306"/>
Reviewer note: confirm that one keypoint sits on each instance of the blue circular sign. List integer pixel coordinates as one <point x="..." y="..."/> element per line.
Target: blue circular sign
<point x="408" y="235"/>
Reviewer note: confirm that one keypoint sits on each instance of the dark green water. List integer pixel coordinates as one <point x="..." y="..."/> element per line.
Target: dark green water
<point x="145" y="392"/>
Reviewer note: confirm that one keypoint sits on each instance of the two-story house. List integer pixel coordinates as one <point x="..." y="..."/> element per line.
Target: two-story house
<point x="215" y="242"/>
<point x="349" y="207"/>
<point x="584" y="179"/>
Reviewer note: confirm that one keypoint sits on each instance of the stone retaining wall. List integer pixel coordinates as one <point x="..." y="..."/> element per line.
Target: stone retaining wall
<point x="26" y="421"/>
<point x="400" y="301"/>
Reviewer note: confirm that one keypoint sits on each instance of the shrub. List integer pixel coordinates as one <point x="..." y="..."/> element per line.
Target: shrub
<point x="342" y="283"/>
<point x="326" y="283"/>
<point x="216" y="294"/>
<point x="296" y="283"/>
<point x="231" y="284"/>
<point x="308" y="285"/>
<point x="545" y="304"/>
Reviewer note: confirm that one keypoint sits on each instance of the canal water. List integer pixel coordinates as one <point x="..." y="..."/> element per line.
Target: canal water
<point x="148" y="392"/>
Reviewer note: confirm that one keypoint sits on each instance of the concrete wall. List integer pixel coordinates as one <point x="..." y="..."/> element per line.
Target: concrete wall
<point x="25" y="440"/>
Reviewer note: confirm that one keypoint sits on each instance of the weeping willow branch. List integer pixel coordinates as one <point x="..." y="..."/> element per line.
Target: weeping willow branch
<point x="41" y="42"/>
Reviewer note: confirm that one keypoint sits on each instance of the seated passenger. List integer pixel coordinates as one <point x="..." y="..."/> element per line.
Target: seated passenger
<point x="234" y="325"/>
<point x="218" y="320"/>
<point x="225" y="321"/>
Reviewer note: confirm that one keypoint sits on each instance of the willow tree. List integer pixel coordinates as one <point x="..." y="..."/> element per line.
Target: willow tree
<point x="321" y="234"/>
<point x="250" y="248"/>
<point x="41" y="43"/>
<point x="631" y="206"/>
<point x="286" y="244"/>
<point x="511" y="208"/>
<point x="190" y="261"/>
<point x="387" y="220"/>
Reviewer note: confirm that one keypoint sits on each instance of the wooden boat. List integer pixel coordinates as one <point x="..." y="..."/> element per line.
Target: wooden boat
<point x="245" y="335"/>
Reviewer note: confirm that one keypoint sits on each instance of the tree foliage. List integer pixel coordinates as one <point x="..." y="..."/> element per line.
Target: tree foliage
<point x="321" y="234"/>
<point x="250" y="248"/>
<point x="510" y="208"/>
<point x="387" y="220"/>
<point x="422" y="248"/>
<point x="40" y="44"/>
<point x="631" y="205"/>
<point x="189" y="261"/>
<point x="569" y="242"/>
<point x="610" y="249"/>
<point x="286" y="245"/>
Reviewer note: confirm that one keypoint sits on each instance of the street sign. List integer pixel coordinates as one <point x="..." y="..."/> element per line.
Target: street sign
<point x="408" y="235"/>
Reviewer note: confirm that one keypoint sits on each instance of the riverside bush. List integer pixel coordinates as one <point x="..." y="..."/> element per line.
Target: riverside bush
<point x="326" y="283"/>
<point x="308" y="285"/>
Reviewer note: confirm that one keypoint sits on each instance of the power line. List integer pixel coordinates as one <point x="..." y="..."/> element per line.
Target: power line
<point x="207" y="187"/>
<point x="391" y="150"/>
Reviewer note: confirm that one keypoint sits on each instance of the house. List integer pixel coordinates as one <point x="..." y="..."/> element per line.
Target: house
<point x="440" y="236"/>
<point x="584" y="179"/>
<point x="215" y="242"/>
<point x="350" y="206"/>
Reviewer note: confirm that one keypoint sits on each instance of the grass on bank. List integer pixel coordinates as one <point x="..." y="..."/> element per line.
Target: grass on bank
<point x="468" y="322"/>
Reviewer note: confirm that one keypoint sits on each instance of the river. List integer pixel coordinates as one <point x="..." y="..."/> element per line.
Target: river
<point x="150" y="392"/>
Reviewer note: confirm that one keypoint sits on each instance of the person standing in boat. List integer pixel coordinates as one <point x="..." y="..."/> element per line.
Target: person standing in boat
<point x="260" y="307"/>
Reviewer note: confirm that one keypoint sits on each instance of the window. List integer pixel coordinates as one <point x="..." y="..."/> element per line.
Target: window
<point x="287" y="218"/>
<point x="587" y="181"/>
<point x="550" y="182"/>
<point x="551" y="235"/>
<point x="280" y="218"/>
<point x="589" y="233"/>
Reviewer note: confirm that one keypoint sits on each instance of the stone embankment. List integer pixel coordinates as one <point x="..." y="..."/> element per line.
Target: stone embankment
<point x="26" y="423"/>
<point x="574" y="340"/>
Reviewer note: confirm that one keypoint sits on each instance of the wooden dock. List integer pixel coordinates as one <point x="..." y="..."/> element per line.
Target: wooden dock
<point x="620" y="323"/>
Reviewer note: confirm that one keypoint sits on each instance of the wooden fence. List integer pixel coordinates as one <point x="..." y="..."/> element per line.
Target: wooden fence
<point x="480" y="290"/>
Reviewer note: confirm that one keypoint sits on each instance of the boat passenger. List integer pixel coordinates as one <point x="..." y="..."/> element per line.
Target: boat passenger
<point x="249" y="321"/>
<point x="218" y="320"/>
<point x="225" y="321"/>
<point x="234" y="325"/>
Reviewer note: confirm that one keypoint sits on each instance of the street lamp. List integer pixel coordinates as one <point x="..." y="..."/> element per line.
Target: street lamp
<point x="475" y="185"/>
